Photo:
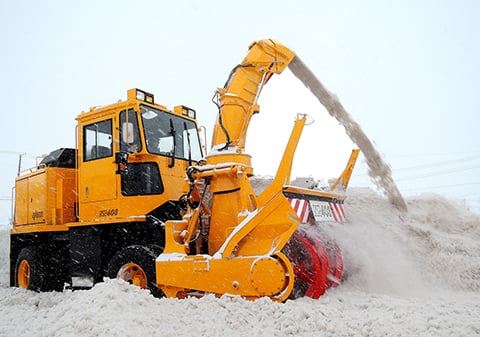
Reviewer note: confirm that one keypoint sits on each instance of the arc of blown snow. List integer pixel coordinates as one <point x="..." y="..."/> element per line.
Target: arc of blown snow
<point x="378" y="170"/>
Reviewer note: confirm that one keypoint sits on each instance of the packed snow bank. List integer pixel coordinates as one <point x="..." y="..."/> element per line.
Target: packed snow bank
<point x="114" y="308"/>
<point x="409" y="274"/>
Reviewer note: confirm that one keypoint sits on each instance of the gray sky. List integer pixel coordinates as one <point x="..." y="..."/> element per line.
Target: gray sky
<point x="407" y="71"/>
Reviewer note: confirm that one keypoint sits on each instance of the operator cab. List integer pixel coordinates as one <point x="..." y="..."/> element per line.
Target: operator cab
<point x="134" y="154"/>
<point x="173" y="134"/>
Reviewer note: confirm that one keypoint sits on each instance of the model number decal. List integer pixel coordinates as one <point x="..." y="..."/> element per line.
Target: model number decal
<point x="109" y="212"/>
<point x="37" y="215"/>
<point x="321" y="210"/>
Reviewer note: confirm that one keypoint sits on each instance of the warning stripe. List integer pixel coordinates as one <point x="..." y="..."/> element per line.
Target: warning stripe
<point x="302" y="208"/>
<point x="337" y="212"/>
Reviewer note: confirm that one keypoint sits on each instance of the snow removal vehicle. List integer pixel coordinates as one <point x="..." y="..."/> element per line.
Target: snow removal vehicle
<point x="137" y="199"/>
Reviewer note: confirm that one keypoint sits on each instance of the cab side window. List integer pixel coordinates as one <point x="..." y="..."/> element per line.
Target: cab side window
<point x="97" y="140"/>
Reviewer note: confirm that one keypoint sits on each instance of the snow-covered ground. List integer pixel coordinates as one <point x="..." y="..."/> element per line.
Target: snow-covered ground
<point x="410" y="274"/>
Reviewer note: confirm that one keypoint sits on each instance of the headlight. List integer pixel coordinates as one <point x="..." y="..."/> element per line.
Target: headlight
<point x="140" y="95"/>
<point x="186" y="111"/>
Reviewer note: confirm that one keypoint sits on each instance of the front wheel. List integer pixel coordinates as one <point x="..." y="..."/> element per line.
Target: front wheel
<point x="136" y="265"/>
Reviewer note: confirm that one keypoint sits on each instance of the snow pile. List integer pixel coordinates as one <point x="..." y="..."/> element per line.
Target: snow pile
<point x="434" y="247"/>
<point x="114" y="308"/>
<point x="410" y="274"/>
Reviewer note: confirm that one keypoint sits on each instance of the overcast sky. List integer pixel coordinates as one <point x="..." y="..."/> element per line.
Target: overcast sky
<point x="407" y="71"/>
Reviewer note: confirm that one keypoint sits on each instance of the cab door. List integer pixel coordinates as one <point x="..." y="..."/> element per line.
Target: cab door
<point x="97" y="178"/>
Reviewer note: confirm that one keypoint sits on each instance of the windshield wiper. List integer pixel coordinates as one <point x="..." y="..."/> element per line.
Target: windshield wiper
<point x="172" y="133"/>
<point x="188" y="143"/>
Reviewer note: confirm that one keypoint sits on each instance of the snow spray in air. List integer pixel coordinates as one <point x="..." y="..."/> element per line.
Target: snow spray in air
<point x="378" y="169"/>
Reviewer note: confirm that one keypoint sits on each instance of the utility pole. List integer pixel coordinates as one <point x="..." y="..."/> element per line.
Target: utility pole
<point x="20" y="163"/>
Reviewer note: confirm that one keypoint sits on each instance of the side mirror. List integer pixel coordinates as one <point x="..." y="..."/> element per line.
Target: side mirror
<point x="128" y="136"/>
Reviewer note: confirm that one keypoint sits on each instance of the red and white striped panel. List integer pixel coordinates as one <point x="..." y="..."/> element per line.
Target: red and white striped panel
<point x="322" y="210"/>
<point x="301" y="206"/>
<point x="338" y="212"/>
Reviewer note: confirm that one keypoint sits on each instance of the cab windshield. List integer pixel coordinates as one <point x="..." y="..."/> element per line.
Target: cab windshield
<point x="170" y="135"/>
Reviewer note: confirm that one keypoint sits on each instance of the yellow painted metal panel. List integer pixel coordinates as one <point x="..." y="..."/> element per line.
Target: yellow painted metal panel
<point x="46" y="196"/>
<point x="21" y="202"/>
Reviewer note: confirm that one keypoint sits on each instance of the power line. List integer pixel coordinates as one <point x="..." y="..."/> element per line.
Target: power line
<point x="420" y="175"/>
<point x="435" y="155"/>
<point x="440" y="186"/>
<point x="442" y="163"/>
<point x="426" y="175"/>
<point x="14" y="153"/>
